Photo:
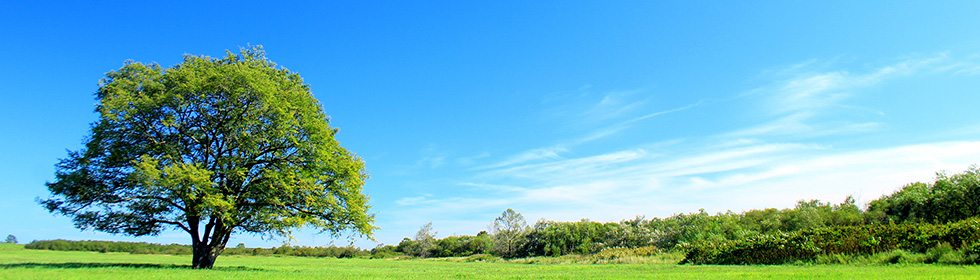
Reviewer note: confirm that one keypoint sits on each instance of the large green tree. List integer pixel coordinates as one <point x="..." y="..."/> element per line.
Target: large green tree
<point x="211" y="146"/>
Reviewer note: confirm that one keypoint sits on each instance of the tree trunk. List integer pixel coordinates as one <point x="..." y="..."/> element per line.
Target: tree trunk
<point x="204" y="255"/>
<point x="207" y="248"/>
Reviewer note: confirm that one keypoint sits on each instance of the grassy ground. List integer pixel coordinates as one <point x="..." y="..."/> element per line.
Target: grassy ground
<point x="18" y="263"/>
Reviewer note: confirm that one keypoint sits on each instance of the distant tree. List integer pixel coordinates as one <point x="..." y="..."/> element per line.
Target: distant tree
<point x="507" y="231"/>
<point x="11" y="239"/>
<point x="211" y="146"/>
<point x="425" y="239"/>
<point x="383" y="251"/>
<point x="481" y="243"/>
<point x="451" y="246"/>
<point x="951" y="198"/>
<point x="633" y="233"/>
<point x="408" y="246"/>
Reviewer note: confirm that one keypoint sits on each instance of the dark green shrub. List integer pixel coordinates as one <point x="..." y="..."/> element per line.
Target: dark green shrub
<point x="834" y="259"/>
<point x="899" y="242"/>
<point x="899" y="256"/>
<point x="935" y="253"/>
<point x="762" y="249"/>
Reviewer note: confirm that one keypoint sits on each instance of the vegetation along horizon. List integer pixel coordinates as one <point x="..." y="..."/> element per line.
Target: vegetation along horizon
<point x="214" y="146"/>
<point x="492" y="141"/>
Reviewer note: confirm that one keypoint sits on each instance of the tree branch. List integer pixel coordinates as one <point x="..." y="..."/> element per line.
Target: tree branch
<point x="182" y="226"/>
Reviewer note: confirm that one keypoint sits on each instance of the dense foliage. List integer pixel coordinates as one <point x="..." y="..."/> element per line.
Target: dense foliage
<point x="679" y="232"/>
<point x="806" y="245"/>
<point x="950" y="198"/>
<point x="451" y="246"/>
<point x="916" y="219"/>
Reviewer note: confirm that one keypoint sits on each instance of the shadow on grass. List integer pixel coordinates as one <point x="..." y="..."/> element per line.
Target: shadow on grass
<point x="125" y="265"/>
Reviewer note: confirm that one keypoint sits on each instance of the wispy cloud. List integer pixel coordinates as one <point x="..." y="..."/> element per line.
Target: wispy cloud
<point x="531" y="155"/>
<point x="810" y="104"/>
<point x="589" y="108"/>
<point x="568" y="169"/>
<point x="736" y="179"/>
<point x="470" y="160"/>
<point x="431" y="157"/>
<point x="615" y="105"/>
<point x="775" y="159"/>
<point x="624" y="125"/>
<point x="415" y="200"/>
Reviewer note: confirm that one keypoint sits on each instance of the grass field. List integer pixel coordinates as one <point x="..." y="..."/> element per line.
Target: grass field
<point x="19" y="263"/>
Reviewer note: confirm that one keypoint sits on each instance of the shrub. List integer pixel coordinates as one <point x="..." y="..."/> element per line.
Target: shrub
<point x="762" y="249"/>
<point x="620" y="252"/>
<point x="899" y="256"/>
<point x="834" y="259"/>
<point x="481" y="258"/>
<point x="957" y="242"/>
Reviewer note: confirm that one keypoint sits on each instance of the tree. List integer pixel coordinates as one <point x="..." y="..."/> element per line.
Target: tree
<point x="507" y="231"/>
<point x="211" y="146"/>
<point x="11" y="239"/>
<point x="950" y="198"/>
<point x="425" y="239"/>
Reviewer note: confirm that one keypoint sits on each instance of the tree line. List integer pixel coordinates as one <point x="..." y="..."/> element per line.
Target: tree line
<point x="937" y="220"/>
<point x="917" y="218"/>
<point x="179" y="249"/>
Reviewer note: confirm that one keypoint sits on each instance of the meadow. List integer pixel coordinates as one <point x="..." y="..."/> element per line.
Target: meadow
<point x="19" y="263"/>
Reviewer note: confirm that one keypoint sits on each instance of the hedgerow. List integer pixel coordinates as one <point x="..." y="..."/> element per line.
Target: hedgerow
<point x="807" y="244"/>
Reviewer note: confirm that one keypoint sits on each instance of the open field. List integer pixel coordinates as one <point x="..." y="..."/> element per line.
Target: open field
<point x="18" y="263"/>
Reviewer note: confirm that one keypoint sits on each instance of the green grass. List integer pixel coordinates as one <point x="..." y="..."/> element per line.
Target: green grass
<point x="18" y="263"/>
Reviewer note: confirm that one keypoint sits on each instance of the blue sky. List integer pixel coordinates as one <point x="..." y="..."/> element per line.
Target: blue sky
<point x="560" y="110"/>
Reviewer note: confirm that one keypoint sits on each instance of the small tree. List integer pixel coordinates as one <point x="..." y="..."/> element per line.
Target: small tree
<point x="11" y="239"/>
<point x="425" y="239"/>
<point x="211" y="146"/>
<point x="507" y="231"/>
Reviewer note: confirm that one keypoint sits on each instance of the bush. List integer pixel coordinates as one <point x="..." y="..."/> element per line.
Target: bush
<point x="834" y="259"/>
<point x="899" y="256"/>
<point x="935" y="253"/>
<point x="896" y="241"/>
<point x="109" y="246"/>
<point x="955" y="257"/>
<point x="762" y="249"/>
<point x="620" y="252"/>
<point x="481" y="258"/>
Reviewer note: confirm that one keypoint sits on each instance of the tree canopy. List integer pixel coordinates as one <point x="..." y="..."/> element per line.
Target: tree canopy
<point x="211" y="146"/>
<point x="951" y="198"/>
<point x="507" y="231"/>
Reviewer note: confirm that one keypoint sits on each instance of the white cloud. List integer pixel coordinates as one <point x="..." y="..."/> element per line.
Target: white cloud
<point x="415" y="200"/>
<point x="470" y="160"/>
<point x="613" y="129"/>
<point x="531" y="155"/>
<point x="812" y="104"/>
<point x="568" y="169"/>
<point x="782" y="157"/>
<point x="614" y="105"/>
<point x="735" y="179"/>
